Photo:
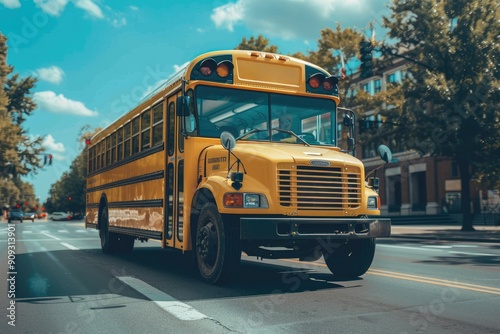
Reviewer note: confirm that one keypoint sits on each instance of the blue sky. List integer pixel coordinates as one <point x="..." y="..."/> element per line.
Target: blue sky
<point x="95" y="59"/>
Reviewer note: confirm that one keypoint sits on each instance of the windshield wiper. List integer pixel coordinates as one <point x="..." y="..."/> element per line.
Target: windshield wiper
<point x="292" y="134"/>
<point x="251" y="132"/>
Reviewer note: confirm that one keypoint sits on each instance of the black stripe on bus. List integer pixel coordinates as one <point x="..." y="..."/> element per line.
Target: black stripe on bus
<point x="152" y="203"/>
<point x="158" y="203"/>
<point x="136" y="232"/>
<point x="136" y="156"/>
<point x="125" y="182"/>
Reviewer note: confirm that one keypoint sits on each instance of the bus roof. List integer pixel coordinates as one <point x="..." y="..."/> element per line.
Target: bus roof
<point x="186" y="70"/>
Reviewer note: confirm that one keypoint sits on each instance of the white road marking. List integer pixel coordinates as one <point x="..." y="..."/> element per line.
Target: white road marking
<point x="474" y="254"/>
<point x="168" y="303"/>
<point x="430" y="246"/>
<point x="27" y="232"/>
<point x="50" y="236"/>
<point x="407" y="247"/>
<point x="69" y="246"/>
<point x="63" y="231"/>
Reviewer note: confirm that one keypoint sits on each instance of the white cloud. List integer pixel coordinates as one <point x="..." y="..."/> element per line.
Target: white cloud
<point x="57" y="150"/>
<point x="50" y="144"/>
<point x="227" y="15"/>
<point x="52" y="7"/>
<point x="56" y="7"/>
<point x="157" y="84"/>
<point x="177" y="68"/>
<point x="51" y="102"/>
<point x="11" y="3"/>
<point x="133" y="7"/>
<point x="90" y="7"/>
<point x="51" y="74"/>
<point x="119" y="22"/>
<point x="298" y="19"/>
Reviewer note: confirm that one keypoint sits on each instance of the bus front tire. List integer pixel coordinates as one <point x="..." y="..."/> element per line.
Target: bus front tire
<point x="351" y="259"/>
<point x="218" y="250"/>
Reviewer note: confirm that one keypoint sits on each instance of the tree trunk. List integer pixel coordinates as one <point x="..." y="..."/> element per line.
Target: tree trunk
<point x="465" y="178"/>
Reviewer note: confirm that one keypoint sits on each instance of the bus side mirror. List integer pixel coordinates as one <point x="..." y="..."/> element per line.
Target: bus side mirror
<point x="351" y="144"/>
<point x="348" y="120"/>
<point x="183" y="103"/>
<point x="385" y="153"/>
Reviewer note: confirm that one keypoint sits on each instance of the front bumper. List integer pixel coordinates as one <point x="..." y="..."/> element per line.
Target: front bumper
<point x="312" y="228"/>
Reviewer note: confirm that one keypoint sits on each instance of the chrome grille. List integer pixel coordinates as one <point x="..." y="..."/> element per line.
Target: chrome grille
<point x="326" y="188"/>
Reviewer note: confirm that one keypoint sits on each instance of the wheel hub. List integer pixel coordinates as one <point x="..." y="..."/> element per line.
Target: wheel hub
<point x="206" y="243"/>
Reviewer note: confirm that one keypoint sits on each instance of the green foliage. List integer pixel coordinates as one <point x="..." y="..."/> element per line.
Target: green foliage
<point x="72" y="184"/>
<point x="257" y="44"/>
<point x="451" y="96"/>
<point x="18" y="152"/>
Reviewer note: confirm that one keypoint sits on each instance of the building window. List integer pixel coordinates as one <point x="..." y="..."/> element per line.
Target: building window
<point x="366" y="87"/>
<point x="378" y="86"/>
<point x="454" y="169"/>
<point x="392" y="78"/>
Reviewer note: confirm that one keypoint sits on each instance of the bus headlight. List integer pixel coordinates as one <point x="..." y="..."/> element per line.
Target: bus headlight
<point x="245" y="200"/>
<point x="372" y="202"/>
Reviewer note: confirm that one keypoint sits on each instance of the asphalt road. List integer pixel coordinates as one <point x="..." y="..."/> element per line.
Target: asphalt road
<point x="63" y="283"/>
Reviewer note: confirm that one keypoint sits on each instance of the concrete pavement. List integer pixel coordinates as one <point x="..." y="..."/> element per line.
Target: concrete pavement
<point x="482" y="233"/>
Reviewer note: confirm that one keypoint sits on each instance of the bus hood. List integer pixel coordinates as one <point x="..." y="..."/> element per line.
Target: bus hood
<point x="300" y="154"/>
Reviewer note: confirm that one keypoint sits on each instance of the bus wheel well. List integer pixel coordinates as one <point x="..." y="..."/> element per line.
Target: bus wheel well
<point x="201" y="197"/>
<point x="102" y="204"/>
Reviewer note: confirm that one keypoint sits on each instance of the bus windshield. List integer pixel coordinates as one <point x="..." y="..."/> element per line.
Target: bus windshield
<point x="269" y="116"/>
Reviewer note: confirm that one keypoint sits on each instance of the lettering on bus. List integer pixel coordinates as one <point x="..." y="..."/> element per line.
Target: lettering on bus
<point x="217" y="160"/>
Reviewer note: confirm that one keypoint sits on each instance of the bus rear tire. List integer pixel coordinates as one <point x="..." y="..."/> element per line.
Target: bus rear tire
<point x="217" y="246"/>
<point x="109" y="241"/>
<point x="126" y="243"/>
<point x="351" y="259"/>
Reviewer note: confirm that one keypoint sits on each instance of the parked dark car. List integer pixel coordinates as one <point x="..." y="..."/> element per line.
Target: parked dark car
<point x="78" y="216"/>
<point x="30" y="216"/>
<point x="15" y="214"/>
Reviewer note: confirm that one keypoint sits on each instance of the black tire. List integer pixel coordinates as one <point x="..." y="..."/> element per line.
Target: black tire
<point x="217" y="246"/>
<point x="109" y="241"/>
<point x="351" y="259"/>
<point x="126" y="243"/>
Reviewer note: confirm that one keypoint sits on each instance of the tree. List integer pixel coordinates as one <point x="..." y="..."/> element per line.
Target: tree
<point x="18" y="152"/>
<point x="257" y="44"/>
<point x="68" y="193"/>
<point x="451" y="97"/>
<point x="331" y="43"/>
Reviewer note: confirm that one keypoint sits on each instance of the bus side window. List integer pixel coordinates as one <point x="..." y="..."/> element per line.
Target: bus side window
<point x="126" y="140"/>
<point x="171" y="128"/>
<point x="146" y="129"/>
<point x="135" y="135"/>
<point x="119" y="146"/>
<point x="158" y="124"/>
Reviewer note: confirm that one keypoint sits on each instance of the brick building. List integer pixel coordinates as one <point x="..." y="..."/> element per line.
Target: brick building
<point x="413" y="184"/>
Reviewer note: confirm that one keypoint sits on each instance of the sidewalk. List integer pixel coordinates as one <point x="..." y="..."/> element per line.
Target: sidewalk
<point x="482" y="233"/>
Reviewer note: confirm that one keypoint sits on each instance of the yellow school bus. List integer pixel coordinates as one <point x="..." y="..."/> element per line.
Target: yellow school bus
<point x="237" y="152"/>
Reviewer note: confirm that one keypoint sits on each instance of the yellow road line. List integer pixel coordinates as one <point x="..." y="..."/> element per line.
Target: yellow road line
<point x="420" y="279"/>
